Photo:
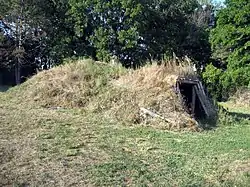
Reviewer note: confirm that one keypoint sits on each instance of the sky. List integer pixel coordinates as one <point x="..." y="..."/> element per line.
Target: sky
<point x="218" y="1"/>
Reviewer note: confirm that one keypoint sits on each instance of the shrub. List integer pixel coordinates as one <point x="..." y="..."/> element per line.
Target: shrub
<point x="212" y="76"/>
<point x="230" y="45"/>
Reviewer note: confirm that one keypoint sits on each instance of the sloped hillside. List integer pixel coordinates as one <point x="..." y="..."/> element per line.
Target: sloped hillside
<point x="81" y="124"/>
<point x="118" y="93"/>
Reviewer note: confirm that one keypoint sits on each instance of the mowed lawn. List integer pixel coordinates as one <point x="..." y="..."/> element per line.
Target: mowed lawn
<point x="64" y="147"/>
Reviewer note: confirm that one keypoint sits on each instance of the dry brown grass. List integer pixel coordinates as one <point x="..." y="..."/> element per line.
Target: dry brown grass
<point x="242" y="98"/>
<point x="232" y="171"/>
<point x="154" y="88"/>
<point x="181" y="68"/>
<point x="114" y="91"/>
<point x="71" y="147"/>
<point x="69" y="85"/>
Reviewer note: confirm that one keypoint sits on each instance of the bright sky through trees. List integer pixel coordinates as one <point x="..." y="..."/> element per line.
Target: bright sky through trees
<point x="219" y="1"/>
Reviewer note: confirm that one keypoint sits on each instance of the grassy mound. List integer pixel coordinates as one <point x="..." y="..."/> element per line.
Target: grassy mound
<point x="112" y="91"/>
<point x="69" y="85"/>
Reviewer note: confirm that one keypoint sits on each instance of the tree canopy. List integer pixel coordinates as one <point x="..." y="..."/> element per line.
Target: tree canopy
<point x="230" y="42"/>
<point x="134" y="31"/>
<point x="131" y="31"/>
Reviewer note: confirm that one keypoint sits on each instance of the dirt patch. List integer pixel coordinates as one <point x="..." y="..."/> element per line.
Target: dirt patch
<point x="240" y="167"/>
<point x="236" y="169"/>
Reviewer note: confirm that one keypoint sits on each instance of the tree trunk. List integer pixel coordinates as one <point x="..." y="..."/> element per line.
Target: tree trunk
<point x="18" y="71"/>
<point x="19" y="62"/>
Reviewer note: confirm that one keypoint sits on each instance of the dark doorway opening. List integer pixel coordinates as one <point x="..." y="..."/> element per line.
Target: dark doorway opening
<point x="191" y="102"/>
<point x="195" y="101"/>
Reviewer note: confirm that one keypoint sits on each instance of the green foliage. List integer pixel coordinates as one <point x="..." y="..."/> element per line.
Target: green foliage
<point x="52" y="18"/>
<point x="20" y="41"/>
<point x="132" y="31"/>
<point x="212" y="77"/>
<point x="230" y="44"/>
<point x="135" y="31"/>
<point x="7" y="7"/>
<point x="221" y="84"/>
<point x="109" y="27"/>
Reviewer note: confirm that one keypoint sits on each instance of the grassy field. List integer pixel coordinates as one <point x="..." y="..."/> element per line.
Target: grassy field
<point x="67" y="147"/>
<point x="97" y="136"/>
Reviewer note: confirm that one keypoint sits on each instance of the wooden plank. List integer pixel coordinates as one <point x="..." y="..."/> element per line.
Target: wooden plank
<point x="152" y="114"/>
<point x="209" y="105"/>
<point x="201" y="88"/>
<point x="201" y="98"/>
<point x="178" y="87"/>
<point x="187" y="82"/>
<point x="191" y="79"/>
<point x="193" y="99"/>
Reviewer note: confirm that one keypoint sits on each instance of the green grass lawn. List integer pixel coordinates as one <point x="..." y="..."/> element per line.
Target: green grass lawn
<point x="45" y="147"/>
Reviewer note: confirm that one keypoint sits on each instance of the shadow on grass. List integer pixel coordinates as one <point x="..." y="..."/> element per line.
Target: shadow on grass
<point x="209" y="124"/>
<point x="4" y="88"/>
<point x="223" y="116"/>
<point x="239" y="116"/>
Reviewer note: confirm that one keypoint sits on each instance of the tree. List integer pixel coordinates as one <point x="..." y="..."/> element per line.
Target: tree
<point x="230" y="42"/>
<point x="13" y="20"/>
<point x="197" y="44"/>
<point x="135" y="30"/>
<point x="22" y="41"/>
